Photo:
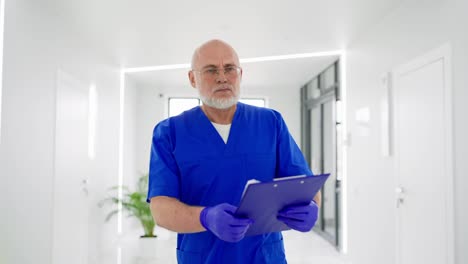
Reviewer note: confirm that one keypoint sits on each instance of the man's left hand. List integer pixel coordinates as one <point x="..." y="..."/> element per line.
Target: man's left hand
<point x="299" y="217"/>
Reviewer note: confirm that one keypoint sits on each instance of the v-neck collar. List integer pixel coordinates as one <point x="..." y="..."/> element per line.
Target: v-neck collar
<point x="215" y="137"/>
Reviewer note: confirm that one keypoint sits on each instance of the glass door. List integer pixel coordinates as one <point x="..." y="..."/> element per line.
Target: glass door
<point x="320" y="132"/>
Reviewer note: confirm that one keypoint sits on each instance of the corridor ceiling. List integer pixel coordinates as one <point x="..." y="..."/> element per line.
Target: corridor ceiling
<point x="137" y="33"/>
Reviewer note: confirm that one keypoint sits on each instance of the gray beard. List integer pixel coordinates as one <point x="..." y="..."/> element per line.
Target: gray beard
<point x="223" y="103"/>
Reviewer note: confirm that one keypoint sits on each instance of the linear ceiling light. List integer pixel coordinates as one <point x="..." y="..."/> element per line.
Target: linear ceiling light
<point x="247" y="60"/>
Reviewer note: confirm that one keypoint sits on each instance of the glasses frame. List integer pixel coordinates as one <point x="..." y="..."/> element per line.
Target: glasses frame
<point x="208" y="74"/>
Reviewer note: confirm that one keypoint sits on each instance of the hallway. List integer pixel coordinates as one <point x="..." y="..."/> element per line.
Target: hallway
<point x="83" y="83"/>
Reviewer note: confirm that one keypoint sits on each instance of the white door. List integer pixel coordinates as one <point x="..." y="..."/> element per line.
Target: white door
<point x="423" y="146"/>
<point x="70" y="226"/>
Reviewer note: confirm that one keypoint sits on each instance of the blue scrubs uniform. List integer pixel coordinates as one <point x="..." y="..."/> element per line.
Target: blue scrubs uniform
<point x="191" y="162"/>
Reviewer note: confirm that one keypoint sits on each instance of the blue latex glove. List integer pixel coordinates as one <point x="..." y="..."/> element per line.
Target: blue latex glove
<point x="221" y="221"/>
<point x="299" y="217"/>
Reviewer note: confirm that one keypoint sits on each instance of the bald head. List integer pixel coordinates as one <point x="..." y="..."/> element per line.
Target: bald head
<point x="213" y="48"/>
<point x="218" y="89"/>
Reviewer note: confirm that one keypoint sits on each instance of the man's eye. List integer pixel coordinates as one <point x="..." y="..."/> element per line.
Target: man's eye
<point x="229" y="69"/>
<point x="211" y="71"/>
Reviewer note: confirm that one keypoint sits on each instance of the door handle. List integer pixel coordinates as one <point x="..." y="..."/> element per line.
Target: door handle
<point x="399" y="191"/>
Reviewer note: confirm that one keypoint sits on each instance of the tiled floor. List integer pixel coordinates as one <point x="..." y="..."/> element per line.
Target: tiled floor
<point x="301" y="248"/>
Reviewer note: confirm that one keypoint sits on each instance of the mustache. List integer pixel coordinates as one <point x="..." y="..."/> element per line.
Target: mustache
<point x="224" y="87"/>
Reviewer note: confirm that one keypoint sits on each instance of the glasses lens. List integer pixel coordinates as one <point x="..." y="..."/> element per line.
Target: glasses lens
<point x="230" y="71"/>
<point x="210" y="72"/>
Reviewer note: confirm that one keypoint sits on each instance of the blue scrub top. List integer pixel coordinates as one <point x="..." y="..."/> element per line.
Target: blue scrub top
<point x="190" y="162"/>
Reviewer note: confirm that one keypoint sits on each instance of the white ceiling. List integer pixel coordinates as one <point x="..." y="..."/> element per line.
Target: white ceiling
<point x="137" y="33"/>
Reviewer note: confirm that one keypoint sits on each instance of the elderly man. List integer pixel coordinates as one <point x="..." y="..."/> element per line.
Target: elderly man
<point x="202" y="159"/>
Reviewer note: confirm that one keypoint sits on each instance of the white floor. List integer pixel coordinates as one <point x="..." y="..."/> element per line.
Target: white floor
<point x="301" y="248"/>
<point x="310" y="248"/>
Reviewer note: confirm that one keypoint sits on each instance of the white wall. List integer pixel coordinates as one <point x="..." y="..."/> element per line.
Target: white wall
<point x="151" y="109"/>
<point x="410" y="31"/>
<point x="37" y="43"/>
<point x="130" y="174"/>
<point x="131" y="228"/>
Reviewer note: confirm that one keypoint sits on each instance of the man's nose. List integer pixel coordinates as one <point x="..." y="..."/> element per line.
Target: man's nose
<point x="220" y="76"/>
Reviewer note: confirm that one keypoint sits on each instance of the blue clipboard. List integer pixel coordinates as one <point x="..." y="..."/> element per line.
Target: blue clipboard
<point x="262" y="201"/>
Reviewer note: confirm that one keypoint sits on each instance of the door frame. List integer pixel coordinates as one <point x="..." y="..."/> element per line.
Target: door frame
<point x="444" y="53"/>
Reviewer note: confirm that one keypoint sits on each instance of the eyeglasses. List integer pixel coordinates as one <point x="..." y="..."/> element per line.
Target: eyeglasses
<point x="231" y="71"/>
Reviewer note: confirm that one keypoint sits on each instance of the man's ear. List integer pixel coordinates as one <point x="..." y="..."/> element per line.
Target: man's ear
<point x="191" y="77"/>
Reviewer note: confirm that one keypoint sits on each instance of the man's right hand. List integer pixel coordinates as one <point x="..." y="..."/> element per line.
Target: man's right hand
<point x="220" y="220"/>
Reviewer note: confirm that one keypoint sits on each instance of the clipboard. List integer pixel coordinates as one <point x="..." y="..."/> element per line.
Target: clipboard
<point x="261" y="201"/>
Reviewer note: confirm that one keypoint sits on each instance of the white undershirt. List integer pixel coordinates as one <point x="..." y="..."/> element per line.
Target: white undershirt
<point x="223" y="130"/>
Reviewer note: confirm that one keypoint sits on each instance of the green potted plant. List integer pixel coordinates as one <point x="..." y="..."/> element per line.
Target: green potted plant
<point x="134" y="203"/>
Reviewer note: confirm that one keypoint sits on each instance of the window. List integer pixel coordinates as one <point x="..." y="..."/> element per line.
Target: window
<point x="177" y="105"/>
<point x="253" y="101"/>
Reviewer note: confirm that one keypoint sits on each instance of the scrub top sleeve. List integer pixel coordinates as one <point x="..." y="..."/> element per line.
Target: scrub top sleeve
<point x="290" y="160"/>
<point x="163" y="170"/>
